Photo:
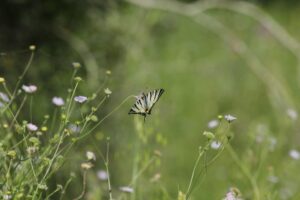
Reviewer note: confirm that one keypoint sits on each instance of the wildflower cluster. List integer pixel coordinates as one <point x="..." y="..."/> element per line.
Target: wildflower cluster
<point x="33" y="150"/>
<point x="216" y="141"/>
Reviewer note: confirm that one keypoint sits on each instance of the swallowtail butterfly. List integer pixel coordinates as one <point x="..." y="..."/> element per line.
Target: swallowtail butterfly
<point x="145" y="102"/>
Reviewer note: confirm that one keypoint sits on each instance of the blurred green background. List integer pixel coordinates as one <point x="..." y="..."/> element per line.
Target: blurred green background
<point x="236" y="58"/>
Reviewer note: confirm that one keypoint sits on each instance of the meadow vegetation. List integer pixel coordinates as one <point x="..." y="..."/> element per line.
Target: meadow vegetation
<point x="227" y="126"/>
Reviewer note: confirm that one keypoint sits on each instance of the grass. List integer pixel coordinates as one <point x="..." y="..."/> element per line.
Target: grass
<point x="224" y="60"/>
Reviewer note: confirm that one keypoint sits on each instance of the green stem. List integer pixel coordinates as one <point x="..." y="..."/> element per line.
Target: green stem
<point x="245" y="171"/>
<point x="201" y="153"/>
<point x="107" y="171"/>
<point x="104" y="118"/>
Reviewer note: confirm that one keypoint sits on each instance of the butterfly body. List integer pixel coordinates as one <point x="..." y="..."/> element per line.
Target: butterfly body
<point x="145" y="102"/>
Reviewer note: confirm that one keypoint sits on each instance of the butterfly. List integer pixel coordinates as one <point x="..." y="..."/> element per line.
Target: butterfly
<point x="145" y="102"/>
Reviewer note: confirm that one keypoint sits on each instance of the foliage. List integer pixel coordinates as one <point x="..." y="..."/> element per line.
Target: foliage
<point x="212" y="58"/>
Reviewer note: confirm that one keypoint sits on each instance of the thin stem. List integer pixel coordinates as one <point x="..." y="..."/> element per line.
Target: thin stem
<point x="71" y="100"/>
<point x="246" y="172"/>
<point x="53" y="120"/>
<point x="73" y="75"/>
<point x="104" y="118"/>
<point x="83" y="186"/>
<point x="92" y="112"/>
<point x="51" y="163"/>
<point x="18" y="112"/>
<point x="52" y="193"/>
<point x="141" y="171"/>
<point x="7" y="90"/>
<point x="65" y="188"/>
<point x="19" y="81"/>
<point x="205" y="167"/>
<point x="201" y="152"/>
<point x="31" y="163"/>
<point x="24" y="72"/>
<point x="30" y="108"/>
<point x="24" y="138"/>
<point x="8" y="172"/>
<point x="107" y="171"/>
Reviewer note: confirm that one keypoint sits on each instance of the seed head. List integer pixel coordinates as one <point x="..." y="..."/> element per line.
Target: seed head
<point x="86" y="165"/>
<point x="107" y="91"/>
<point x="2" y="80"/>
<point x="32" y="47"/>
<point x="76" y="65"/>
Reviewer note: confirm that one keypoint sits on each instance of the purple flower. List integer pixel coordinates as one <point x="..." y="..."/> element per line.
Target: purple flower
<point x="32" y="127"/>
<point x="4" y="97"/>
<point x="102" y="175"/>
<point x="80" y="99"/>
<point x="58" y="101"/>
<point x="74" y="128"/>
<point x="29" y="88"/>
<point x="215" y="144"/>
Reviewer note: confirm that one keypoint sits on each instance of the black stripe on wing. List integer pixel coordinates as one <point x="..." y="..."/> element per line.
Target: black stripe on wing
<point x="154" y="97"/>
<point x="139" y="107"/>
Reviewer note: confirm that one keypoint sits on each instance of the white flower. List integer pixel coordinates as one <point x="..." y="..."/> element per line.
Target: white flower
<point x="229" y="118"/>
<point x="58" y="101"/>
<point x="80" y="99"/>
<point x="7" y="196"/>
<point x="233" y="194"/>
<point x="31" y="150"/>
<point x="294" y="154"/>
<point x="1" y="105"/>
<point x="29" y="88"/>
<point x="102" y="175"/>
<point x="126" y="189"/>
<point x="230" y="196"/>
<point x="31" y="127"/>
<point x="43" y="186"/>
<point x="74" y="128"/>
<point x="107" y="91"/>
<point x="213" y="123"/>
<point x="4" y="97"/>
<point x="292" y="113"/>
<point x="90" y="155"/>
<point x="215" y="144"/>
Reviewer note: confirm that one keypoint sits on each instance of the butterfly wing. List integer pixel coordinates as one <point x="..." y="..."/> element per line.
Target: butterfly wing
<point x="152" y="97"/>
<point x="139" y="107"/>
